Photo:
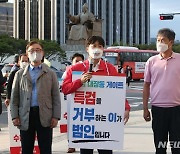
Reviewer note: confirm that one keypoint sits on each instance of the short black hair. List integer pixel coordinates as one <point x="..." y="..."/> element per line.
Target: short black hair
<point x="166" y="32"/>
<point x="93" y="39"/>
<point x="77" y="55"/>
<point x="23" y="54"/>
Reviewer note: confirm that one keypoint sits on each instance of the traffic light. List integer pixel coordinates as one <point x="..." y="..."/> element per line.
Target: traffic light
<point x="2" y="1"/>
<point x="166" y="17"/>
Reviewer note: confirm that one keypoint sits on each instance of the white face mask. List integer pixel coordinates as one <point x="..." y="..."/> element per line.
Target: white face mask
<point x="77" y="62"/>
<point x="35" y="57"/>
<point x="161" y="47"/>
<point x="23" y="64"/>
<point x="95" y="53"/>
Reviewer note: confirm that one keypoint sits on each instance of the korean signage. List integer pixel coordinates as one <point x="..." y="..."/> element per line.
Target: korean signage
<point x="109" y="54"/>
<point x="97" y="113"/>
<point x="139" y="67"/>
<point x="64" y="106"/>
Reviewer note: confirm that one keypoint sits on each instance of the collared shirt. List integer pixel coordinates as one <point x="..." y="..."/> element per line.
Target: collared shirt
<point x="34" y="73"/>
<point x="104" y="68"/>
<point x="164" y="78"/>
<point x="95" y="68"/>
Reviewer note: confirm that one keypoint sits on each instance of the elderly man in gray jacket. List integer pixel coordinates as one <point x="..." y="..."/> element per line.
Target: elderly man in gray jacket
<point x="35" y="102"/>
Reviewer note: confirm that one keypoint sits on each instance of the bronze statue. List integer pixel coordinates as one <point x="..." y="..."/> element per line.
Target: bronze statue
<point x="83" y="24"/>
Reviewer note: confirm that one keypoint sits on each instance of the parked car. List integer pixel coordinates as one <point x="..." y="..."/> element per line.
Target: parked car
<point x="58" y="73"/>
<point x="7" y="68"/>
<point x="1" y="65"/>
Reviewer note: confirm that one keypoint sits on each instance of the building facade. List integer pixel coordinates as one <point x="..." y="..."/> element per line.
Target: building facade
<point x="125" y="21"/>
<point x="6" y="19"/>
<point x="35" y="19"/>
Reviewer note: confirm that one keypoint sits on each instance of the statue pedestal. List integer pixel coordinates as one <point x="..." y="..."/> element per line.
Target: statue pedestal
<point x="75" y="42"/>
<point x="70" y="48"/>
<point x="95" y="31"/>
<point x="79" y="46"/>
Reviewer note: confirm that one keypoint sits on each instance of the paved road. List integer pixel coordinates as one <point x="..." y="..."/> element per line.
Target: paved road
<point x="134" y="95"/>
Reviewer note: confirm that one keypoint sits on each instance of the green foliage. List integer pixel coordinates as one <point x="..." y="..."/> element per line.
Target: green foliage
<point x="118" y="44"/>
<point x="140" y="46"/>
<point x="146" y="46"/>
<point x="176" y="47"/>
<point x="53" y="50"/>
<point x="115" y="44"/>
<point x="10" y="46"/>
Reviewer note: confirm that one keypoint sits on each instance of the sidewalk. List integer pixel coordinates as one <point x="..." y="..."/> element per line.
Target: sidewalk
<point x="138" y="138"/>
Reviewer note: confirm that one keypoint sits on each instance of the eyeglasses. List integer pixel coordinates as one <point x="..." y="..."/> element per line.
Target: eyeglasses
<point x="35" y="50"/>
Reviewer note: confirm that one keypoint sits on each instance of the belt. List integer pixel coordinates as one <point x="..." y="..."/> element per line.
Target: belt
<point x="34" y="108"/>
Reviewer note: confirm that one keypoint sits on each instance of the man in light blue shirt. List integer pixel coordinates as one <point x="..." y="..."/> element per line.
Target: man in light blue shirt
<point x="35" y="102"/>
<point x="34" y="73"/>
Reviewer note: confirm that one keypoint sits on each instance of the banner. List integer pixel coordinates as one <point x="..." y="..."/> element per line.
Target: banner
<point x="97" y="113"/>
<point x="64" y="108"/>
<point x="139" y="67"/>
<point x="15" y="139"/>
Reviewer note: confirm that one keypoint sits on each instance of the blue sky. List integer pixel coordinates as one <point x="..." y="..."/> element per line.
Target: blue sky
<point x="163" y="6"/>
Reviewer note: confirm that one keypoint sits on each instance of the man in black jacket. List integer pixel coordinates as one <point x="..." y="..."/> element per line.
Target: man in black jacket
<point x="128" y="72"/>
<point x="22" y="62"/>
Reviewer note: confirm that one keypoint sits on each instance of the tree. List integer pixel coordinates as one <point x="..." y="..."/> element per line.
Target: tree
<point x="176" y="48"/>
<point x="53" y="50"/>
<point x="119" y="44"/>
<point x="145" y="46"/>
<point x="10" y="46"/>
<point x="139" y="46"/>
<point x="5" y="51"/>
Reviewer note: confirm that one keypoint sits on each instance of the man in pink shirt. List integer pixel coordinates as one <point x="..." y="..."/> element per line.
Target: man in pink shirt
<point x="161" y="83"/>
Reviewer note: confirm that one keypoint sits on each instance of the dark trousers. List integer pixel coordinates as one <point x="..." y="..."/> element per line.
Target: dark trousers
<point x="128" y="79"/>
<point x="44" y="135"/>
<point x="166" y="122"/>
<point x="0" y="104"/>
<point x="90" y="151"/>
